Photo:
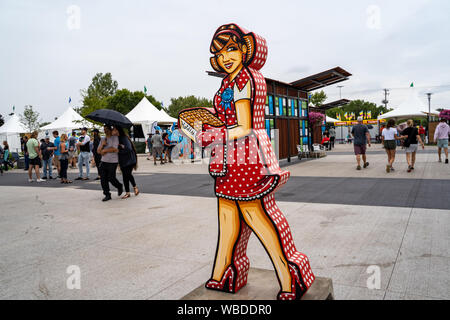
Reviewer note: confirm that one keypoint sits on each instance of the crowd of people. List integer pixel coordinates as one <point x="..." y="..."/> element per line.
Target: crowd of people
<point x="107" y="153"/>
<point x="160" y="147"/>
<point x="410" y="138"/>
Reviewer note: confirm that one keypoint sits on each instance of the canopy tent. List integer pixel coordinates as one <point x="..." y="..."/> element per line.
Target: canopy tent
<point x="145" y="114"/>
<point x="411" y="107"/>
<point x="65" y="123"/>
<point x="11" y="131"/>
<point x="331" y="120"/>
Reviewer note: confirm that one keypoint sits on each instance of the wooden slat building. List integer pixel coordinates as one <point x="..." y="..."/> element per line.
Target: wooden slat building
<point x="287" y="108"/>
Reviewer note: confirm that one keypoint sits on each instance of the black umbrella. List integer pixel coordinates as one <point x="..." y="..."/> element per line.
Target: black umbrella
<point x="110" y="117"/>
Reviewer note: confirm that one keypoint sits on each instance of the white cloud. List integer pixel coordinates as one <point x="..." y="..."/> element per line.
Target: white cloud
<point x="165" y="46"/>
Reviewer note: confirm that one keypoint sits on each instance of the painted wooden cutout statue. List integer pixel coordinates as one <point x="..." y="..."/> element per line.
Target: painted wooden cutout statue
<point x="245" y="168"/>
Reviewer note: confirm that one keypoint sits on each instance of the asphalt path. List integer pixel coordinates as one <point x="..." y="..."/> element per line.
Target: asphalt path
<point x="392" y="192"/>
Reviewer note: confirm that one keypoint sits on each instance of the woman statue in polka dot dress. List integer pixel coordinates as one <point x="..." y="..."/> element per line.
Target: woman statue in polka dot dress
<point x="246" y="170"/>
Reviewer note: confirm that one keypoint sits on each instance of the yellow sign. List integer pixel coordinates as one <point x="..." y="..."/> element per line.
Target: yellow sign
<point x="349" y="123"/>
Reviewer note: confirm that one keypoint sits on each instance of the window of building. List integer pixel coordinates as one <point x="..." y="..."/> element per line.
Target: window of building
<point x="271" y="105"/>
<point x="277" y="109"/>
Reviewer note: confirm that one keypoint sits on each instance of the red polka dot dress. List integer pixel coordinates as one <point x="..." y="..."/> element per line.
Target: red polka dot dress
<point x="246" y="169"/>
<point x="239" y="167"/>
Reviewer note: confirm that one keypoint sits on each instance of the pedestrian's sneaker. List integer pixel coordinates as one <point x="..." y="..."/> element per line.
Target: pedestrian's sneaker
<point x="45" y="178"/>
<point x="440" y="160"/>
<point x="388" y="168"/>
<point x="358" y="168"/>
<point x="30" y="180"/>
<point x="366" y="165"/>
<point x="446" y="160"/>
<point x="392" y="169"/>
<point x="79" y="178"/>
<point x="409" y="168"/>
<point x="40" y="180"/>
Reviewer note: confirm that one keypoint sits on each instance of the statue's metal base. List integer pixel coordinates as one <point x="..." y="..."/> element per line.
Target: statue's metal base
<point x="263" y="285"/>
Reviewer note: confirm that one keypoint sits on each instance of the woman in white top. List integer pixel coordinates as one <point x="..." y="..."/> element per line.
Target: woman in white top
<point x="389" y="135"/>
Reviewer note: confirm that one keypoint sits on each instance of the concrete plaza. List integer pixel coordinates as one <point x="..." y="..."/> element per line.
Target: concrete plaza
<point x="161" y="244"/>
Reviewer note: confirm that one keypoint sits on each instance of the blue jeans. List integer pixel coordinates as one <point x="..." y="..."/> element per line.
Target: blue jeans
<point x="27" y="162"/>
<point x="83" y="158"/>
<point x="45" y="164"/>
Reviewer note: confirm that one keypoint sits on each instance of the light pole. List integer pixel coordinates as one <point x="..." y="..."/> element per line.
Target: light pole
<point x="340" y="92"/>
<point x="428" y="118"/>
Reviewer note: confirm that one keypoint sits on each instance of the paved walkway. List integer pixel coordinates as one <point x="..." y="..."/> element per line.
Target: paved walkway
<point x="160" y="245"/>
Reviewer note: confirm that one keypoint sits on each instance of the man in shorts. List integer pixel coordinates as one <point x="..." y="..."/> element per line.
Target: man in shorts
<point x="35" y="157"/>
<point x="157" y="146"/>
<point x="441" y="135"/>
<point x="361" y="135"/>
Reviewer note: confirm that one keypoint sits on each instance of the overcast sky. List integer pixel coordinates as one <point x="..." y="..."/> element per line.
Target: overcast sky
<point x="47" y="56"/>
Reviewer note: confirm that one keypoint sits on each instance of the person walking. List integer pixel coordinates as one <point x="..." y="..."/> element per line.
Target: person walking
<point x="25" y="153"/>
<point x="64" y="158"/>
<point x="157" y="146"/>
<point x="127" y="162"/>
<point x="97" y="156"/>
<point x="108" y="148"/>
<point x="389" y="136"/>
<point x="1" y="160"/>
<point x="56" y="158"/>
<point x="361" y="134"/>
<point x="73" y="150"/>
<point x="149" y="145"/>
<point x="422" y="133"/>
<point x="5" y="156"/>
<point x="412" y="139"/>
<point x="332" y="132"/>
<point x="35" y="157"/>
<point x="83" y="157"/>
<point x="47" y="150"/>
<point x="168" y="146"/>
<point x="441" y="135"/>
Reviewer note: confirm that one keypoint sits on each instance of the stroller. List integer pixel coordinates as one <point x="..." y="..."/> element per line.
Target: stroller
<point x="5" y="160"/>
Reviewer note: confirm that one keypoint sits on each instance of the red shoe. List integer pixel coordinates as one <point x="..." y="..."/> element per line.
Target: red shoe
<point x="298" y="287"/>
<point x="226" y="284"/>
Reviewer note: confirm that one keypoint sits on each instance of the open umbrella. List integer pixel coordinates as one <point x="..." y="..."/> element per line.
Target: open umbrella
<point x="110" y="117"/>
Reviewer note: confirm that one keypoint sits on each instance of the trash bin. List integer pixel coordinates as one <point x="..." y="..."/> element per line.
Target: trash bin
<point x="21" y="163"/>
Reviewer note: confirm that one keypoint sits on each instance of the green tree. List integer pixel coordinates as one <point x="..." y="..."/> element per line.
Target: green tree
<point x="30" y="119"/>
<point x="357" y="106"/>
<point x="318" y="98"/>
<point x="94" y="97"/>
<point x="43" y="124"/>
<point x="124" y="100"/>
<point x="180" y="103"/>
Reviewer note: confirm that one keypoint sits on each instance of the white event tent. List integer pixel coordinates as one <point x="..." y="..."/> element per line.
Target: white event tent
<point x="10" y="131"/>
<point x="145" y="114"/>
<point x="413" y="106"/>
<point x="330" y="120"/>
<point x="65" y="123"/>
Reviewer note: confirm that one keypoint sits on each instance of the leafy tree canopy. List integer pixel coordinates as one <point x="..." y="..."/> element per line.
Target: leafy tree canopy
<point x="318" y="98"/>
<point x="103" y="93"/>
<point x="30" y="119"/>
<point x="356" y="106"/>
<point x="180" y="103"/>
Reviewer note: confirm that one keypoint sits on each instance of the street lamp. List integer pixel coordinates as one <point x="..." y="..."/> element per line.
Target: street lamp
<point x="340" y="93"/>
<point x="429" y="111"/>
